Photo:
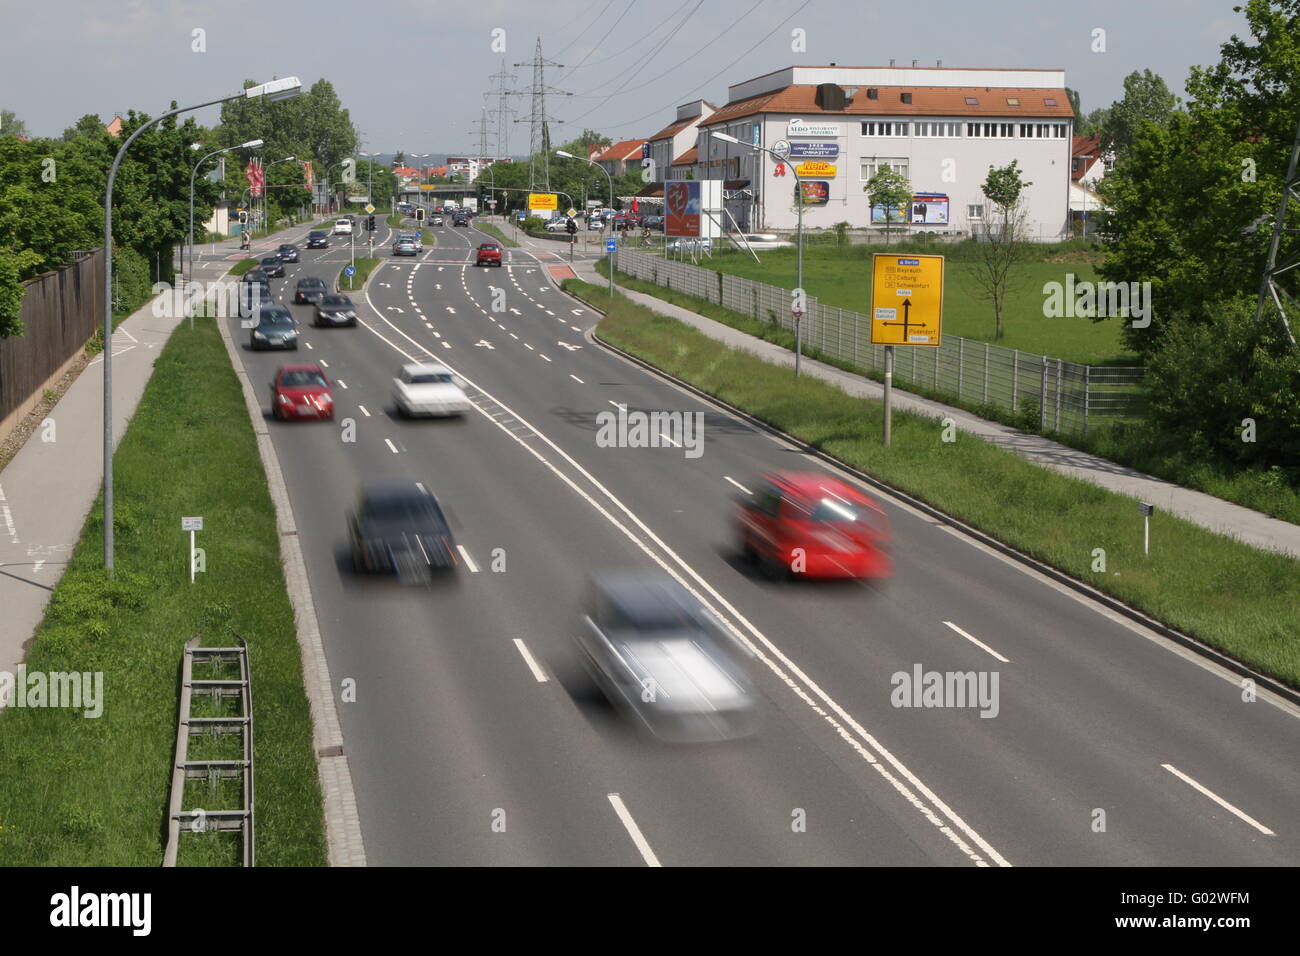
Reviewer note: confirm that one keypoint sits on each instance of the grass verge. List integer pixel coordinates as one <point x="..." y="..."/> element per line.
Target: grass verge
<point x="244" y="265"/>
<point x="364" y="268"/>
<point x="1239" y="600"/>
<point x="78" y="791"/>
<point x="496" y="234"/>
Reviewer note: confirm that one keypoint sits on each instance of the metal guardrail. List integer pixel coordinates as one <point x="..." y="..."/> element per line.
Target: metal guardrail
<point x="1065" y="396"/>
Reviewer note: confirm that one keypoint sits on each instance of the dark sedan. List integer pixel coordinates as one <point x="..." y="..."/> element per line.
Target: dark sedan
<point x="400" y="529"/>
<point x="318" y="240"/>
<point x="336" y="310"/>
<point x="272" y="266"/>
<point x="275" y="329"/>
<point x="288" y="252"/>
<point x="310" y="290"/>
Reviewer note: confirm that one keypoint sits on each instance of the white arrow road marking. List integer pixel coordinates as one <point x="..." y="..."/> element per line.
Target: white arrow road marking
<point x="576" y="311"/>
<point x="393" y="308"/>
<point x="385" y="285"/>
<point x="516" y="311"/>
<point x="571" y="348"/>
<point x="36" y="568"/>
<point x="484" y="344"/>
<point x="451" y="310"/>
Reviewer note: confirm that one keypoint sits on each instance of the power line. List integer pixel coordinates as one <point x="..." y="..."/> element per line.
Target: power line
<point x="537" y="118"/>
<point x="586" y="28"/>
<point x="640" y="40"/>
<point x="596" y="46"/>
<point x="692" y="56"/>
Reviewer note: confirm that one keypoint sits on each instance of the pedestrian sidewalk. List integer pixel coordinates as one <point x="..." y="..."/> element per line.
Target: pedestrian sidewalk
<point x="48" y="488"/>
<point x="1223" y="517"/>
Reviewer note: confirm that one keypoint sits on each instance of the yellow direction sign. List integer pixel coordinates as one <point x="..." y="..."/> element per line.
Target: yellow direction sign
<point x="906" y="299"/>
<point x="543" y="201"/>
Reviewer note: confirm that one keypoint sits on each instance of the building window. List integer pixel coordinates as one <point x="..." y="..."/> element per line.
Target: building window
<point x="972" y="129"/>
<point x="884" y="128"/>
<point x="871" y="166"/>
<point x="1006" y="130"/>
<point x="1058" y="130"/>
<point x="1049" y="101"/>
<point x="972" y="101"/>
<point x="974" y="213"/>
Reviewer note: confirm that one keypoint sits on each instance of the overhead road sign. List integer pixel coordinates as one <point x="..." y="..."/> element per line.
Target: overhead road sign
<point x="906" y="299"/>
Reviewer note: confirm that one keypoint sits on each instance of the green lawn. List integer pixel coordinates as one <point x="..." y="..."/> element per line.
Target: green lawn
<point x="364" y="268"/>
<point x="1243" y="601"/>
<point x="76" y="791"/>
<point x="843" y="278"/>
<point x="496" y="233"/>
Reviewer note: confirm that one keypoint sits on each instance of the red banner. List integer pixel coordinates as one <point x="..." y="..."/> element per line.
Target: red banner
<point x="308" y="179"/>
<point x="256" y="180"/>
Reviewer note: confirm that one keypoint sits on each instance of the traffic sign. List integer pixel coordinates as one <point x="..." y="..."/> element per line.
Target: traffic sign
<point x="610" y="243"/>
<point x="782" y="148"/>
<point x="370" y="207"/>
<point x="543" y="201"/>
<point x="191" y="524"/>
<point x="906" y="299"/>
<point x="571" y="212"/>
<point x="350" y="271"/>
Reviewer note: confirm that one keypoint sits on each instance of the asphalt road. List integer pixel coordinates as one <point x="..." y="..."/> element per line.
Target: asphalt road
<point x="475" y="739"/>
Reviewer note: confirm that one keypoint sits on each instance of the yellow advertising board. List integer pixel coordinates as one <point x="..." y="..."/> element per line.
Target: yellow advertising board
<point x="543" y="201"/>
<point x="906" y="299"/>
<point x="816" y="168"/>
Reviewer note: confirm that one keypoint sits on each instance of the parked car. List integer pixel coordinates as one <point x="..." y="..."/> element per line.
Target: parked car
<point x="429" y="388"/>
<point x="489" y="253"/>
<point x="665" y="660"/>
<point x="274" y="328"/>
<point x="343" y="227"/>
<point x="272" y="267"/>
<point x="310" y="289"/>
<point x="622" y="222"/>
<point x="333" y="309"/>
<point x="301" y="391"/>
<point x="653" y="222"/>
<point x="558" y="224"/>
<point x="811" y="524"/>
<point x="288" y="252"/>
<point x="400" y="529"/>
<point x="405" y="247"/>
<point x="316" y="239"/>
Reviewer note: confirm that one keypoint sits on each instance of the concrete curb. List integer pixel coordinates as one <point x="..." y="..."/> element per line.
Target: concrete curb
<point x="1283" y="691"/>
<point x="342" y="821"/>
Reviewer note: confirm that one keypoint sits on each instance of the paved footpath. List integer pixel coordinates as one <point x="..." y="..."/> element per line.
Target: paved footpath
<point x="48" y="488"/>
<point x="1217" y="515"/>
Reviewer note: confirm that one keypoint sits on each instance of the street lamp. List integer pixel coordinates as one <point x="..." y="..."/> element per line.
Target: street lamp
<point x="798" y="188"/>
<point x="266" y="199"/>
<point x="273" y="91"/>
<point x="560" y="152"/>
<point x="251" y="144"/>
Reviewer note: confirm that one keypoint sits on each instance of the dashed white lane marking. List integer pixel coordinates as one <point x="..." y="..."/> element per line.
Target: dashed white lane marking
<point x="391" y="446"/>
<point x="469" y="561"/>
<point x="308" y="344"/>
<point x="1218" y="799"/>
<point x="446" y="345"/>
<point x="513" y="336"/>
<point x="451" y="310"/>
<point x="324" y="364"/>
<point x="978" y="643"/>
<point x="737" y="484"/>
<point x="544" y="356"/>
<point x="576" y="379"/>
<point x="363" y="410"/>
<point x="342" y="384"/>
<point x="634" y="831"/>
<point x="575" y="328"/>
<point x="529" y="347"/>
<point x="528" y="659"/>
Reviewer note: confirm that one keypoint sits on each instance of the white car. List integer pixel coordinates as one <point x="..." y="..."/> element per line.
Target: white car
<point x="413" y="237"/>
<point x="689" y="245"/>
<point x="761" y="240"/>
<point x="343" y="227"/>
<point x="558" y="224"/>
<point x="429" y="388"/>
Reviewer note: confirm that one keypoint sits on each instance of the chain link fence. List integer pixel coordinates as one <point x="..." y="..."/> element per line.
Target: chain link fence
<point x="1061" y="396"/>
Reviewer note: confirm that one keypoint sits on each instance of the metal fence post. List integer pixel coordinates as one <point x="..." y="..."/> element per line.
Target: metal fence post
<point x="961" y="365"/>
<point x="719" y="288"/>
<point x="1042" y="397"/>
<point x="1059" y="366"/>
<point x="1015" y="375"/>
<point x="1087" y="395"/>
<point x="936" y="368"/>
<point x="986" y="373"/>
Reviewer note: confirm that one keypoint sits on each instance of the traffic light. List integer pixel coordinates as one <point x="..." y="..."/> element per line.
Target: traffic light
<point x="370" y="223"/>
<point x="572" y="227"/>
<point x="243" y="217"/>
<point x="419" y="214"/>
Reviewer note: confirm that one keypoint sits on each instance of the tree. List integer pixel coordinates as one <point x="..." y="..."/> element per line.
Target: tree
<point x="88" y="125"/>
<point x="1146" y="99"/>
<point x="1073" y="97"/>
<point x="1004" y="246"/>
<point x="399" y="159"/>
<point x="890" y="189"/>
<point x="11" y="125"/>
<point x="583" y="144"/>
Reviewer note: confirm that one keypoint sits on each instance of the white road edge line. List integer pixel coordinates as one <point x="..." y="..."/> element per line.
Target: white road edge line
<point x="469" y="561"/>
<point x="532" y="664"/>
<point x="1218" y="799"/>
<point x="978" y="643"/>
<point x="634" y="831"/>
<point x="576" y="379"/>
<point x="737" y="484"/>
<point x="363" y="410"/>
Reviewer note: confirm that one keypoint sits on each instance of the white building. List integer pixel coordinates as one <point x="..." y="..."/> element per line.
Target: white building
<point x="941" y="127"/>
<point x="676" y="139"/>
<point x="467" y="168"/>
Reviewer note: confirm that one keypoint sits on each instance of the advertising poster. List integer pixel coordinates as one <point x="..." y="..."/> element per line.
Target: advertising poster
<point x="930" y="209"/>
<point x="879" y="218"/>
<point x="816" y="192"/>
<point x="682" y="208"/>
<point x="814" y="150"/>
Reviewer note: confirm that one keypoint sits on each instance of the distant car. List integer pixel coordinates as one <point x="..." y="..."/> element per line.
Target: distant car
<point x="301" y="391"/>
<point x="622" y="222"/>
<point x="413" y="237"/>
<point x="460" y="220"/>
<point x="255" y="275"/>
<point x="761" y="240"/>
<point x="558" y="224"/>
<point x="335" y="310"/>
<point x="343" y="227"/>
<point x="689" y="245"/>
<point x="665" y="660"/>
<point x="400" y="529"/>
<point x="653" y="222"/>
<point x="316" y="239"/>
<point x="435" y="219"/>
<point x="288" y="252"/>
<point x="489" y="253"/>
<point x="275" y="328"/>
<point x="809" y="524"/>
<point x="405" y="247"/>
<point x="272" y="267"/>
<point x="310" y="289"/>
<point x="429" y="388"/>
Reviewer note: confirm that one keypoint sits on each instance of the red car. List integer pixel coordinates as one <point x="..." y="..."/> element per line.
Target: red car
<point x="301" y="391"/>
<point x="810" y="524"/>
<point x="490" y="253"/>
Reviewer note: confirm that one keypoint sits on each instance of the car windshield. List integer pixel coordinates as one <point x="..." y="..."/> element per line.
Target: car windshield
<point x="489" y="247"/>
<point x="400" y="507"/>
<point x="316" y="234"/>
<point x="270" y="261"/>
<point x="311" y="283"/>
<point x="336" y="302"/>
<point x="275" y="318"/>
<point x="301" y="378"/>
<point x="431" y="378"/>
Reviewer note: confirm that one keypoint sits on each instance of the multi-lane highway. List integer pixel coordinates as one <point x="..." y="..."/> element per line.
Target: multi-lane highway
<point x="476" y="739"/>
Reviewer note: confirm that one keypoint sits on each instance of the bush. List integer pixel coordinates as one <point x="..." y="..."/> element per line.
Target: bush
<point x="534" y="224"/>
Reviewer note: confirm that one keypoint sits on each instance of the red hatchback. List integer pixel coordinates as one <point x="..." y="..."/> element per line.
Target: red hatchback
<point x="810" y="524"/>
<point x="490" y="253"/>
<point x="301" y="391"/>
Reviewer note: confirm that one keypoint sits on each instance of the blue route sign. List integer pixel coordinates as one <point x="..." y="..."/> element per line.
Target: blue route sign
<point x="610" y="243"/>
<point x="350" y="272"/>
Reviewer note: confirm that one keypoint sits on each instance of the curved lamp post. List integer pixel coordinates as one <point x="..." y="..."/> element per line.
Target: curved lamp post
<point x="251" y="144"/>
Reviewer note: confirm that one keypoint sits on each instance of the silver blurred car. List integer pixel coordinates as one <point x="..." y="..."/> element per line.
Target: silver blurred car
<point x="666" y="661"/>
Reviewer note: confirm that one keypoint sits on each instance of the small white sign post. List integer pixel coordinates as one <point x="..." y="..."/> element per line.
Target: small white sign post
<point x="1146" y="511"/>
<point x="192" y="525"/>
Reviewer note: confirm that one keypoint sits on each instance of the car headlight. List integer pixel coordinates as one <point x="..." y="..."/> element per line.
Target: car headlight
<point x="258" y="335"/>
<point x="286" y="399"/>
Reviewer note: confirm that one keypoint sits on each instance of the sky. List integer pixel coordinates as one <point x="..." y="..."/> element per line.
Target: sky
<point x="413" y="73"/>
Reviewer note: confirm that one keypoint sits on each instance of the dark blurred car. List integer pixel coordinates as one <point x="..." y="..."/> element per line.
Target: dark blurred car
<point x="318" y="240"/>
<point x="254" y="292"/>
<point x="460" y="219"/>
<point x="288" y="252"/>
<point x="274" y="328"/>
<point x="335" y="309"/>
<point x="653" y="222"/>
<point x="405" y="247"/>
<point x="489" y="253"/>
<point x="310" y="289"/>
<point x="272" y="266"/>
<point x="665" y="660"/>
<point x="622" y="222"/>
<point x="400" y="529"/>
<point x="813" y="525"/>
<point x="301" y="391"/>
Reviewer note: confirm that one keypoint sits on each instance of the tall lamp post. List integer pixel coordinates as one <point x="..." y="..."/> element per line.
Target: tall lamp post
<point x="560" y="152"/>
<point x="272" y="91"/>
<point x="798" y="190"/>
<point x="251" y="144"/>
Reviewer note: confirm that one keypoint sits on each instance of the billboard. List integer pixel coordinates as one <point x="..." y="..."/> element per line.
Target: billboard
<point x="878" y="217"/>
<point x="682" y="208"/>
<point x="814" y="150"/>
<point x="543" y="201"/>
<point x="930" y="209"/>
<point x="816" y="192"/>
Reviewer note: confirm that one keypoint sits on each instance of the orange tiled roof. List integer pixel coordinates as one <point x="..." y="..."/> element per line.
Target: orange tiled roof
<point x="801" y="100"/>
<point x="676" y="128"/>
<point x="626" y="149"/>
<point x="688" y="158"/>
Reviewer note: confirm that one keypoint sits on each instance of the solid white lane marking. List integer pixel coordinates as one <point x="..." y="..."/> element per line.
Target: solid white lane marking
<point x="469" y="561"/>
<point x="737" y="484"/>
<point x="576" y="379"/>
<point x="1218" y="799"/>
<point x="391" y="446"/>
<point x="634" y="831"/>
<point x="528" y="659"/>
<point x="978" y="643"/>
<point x="363" y="410"/>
